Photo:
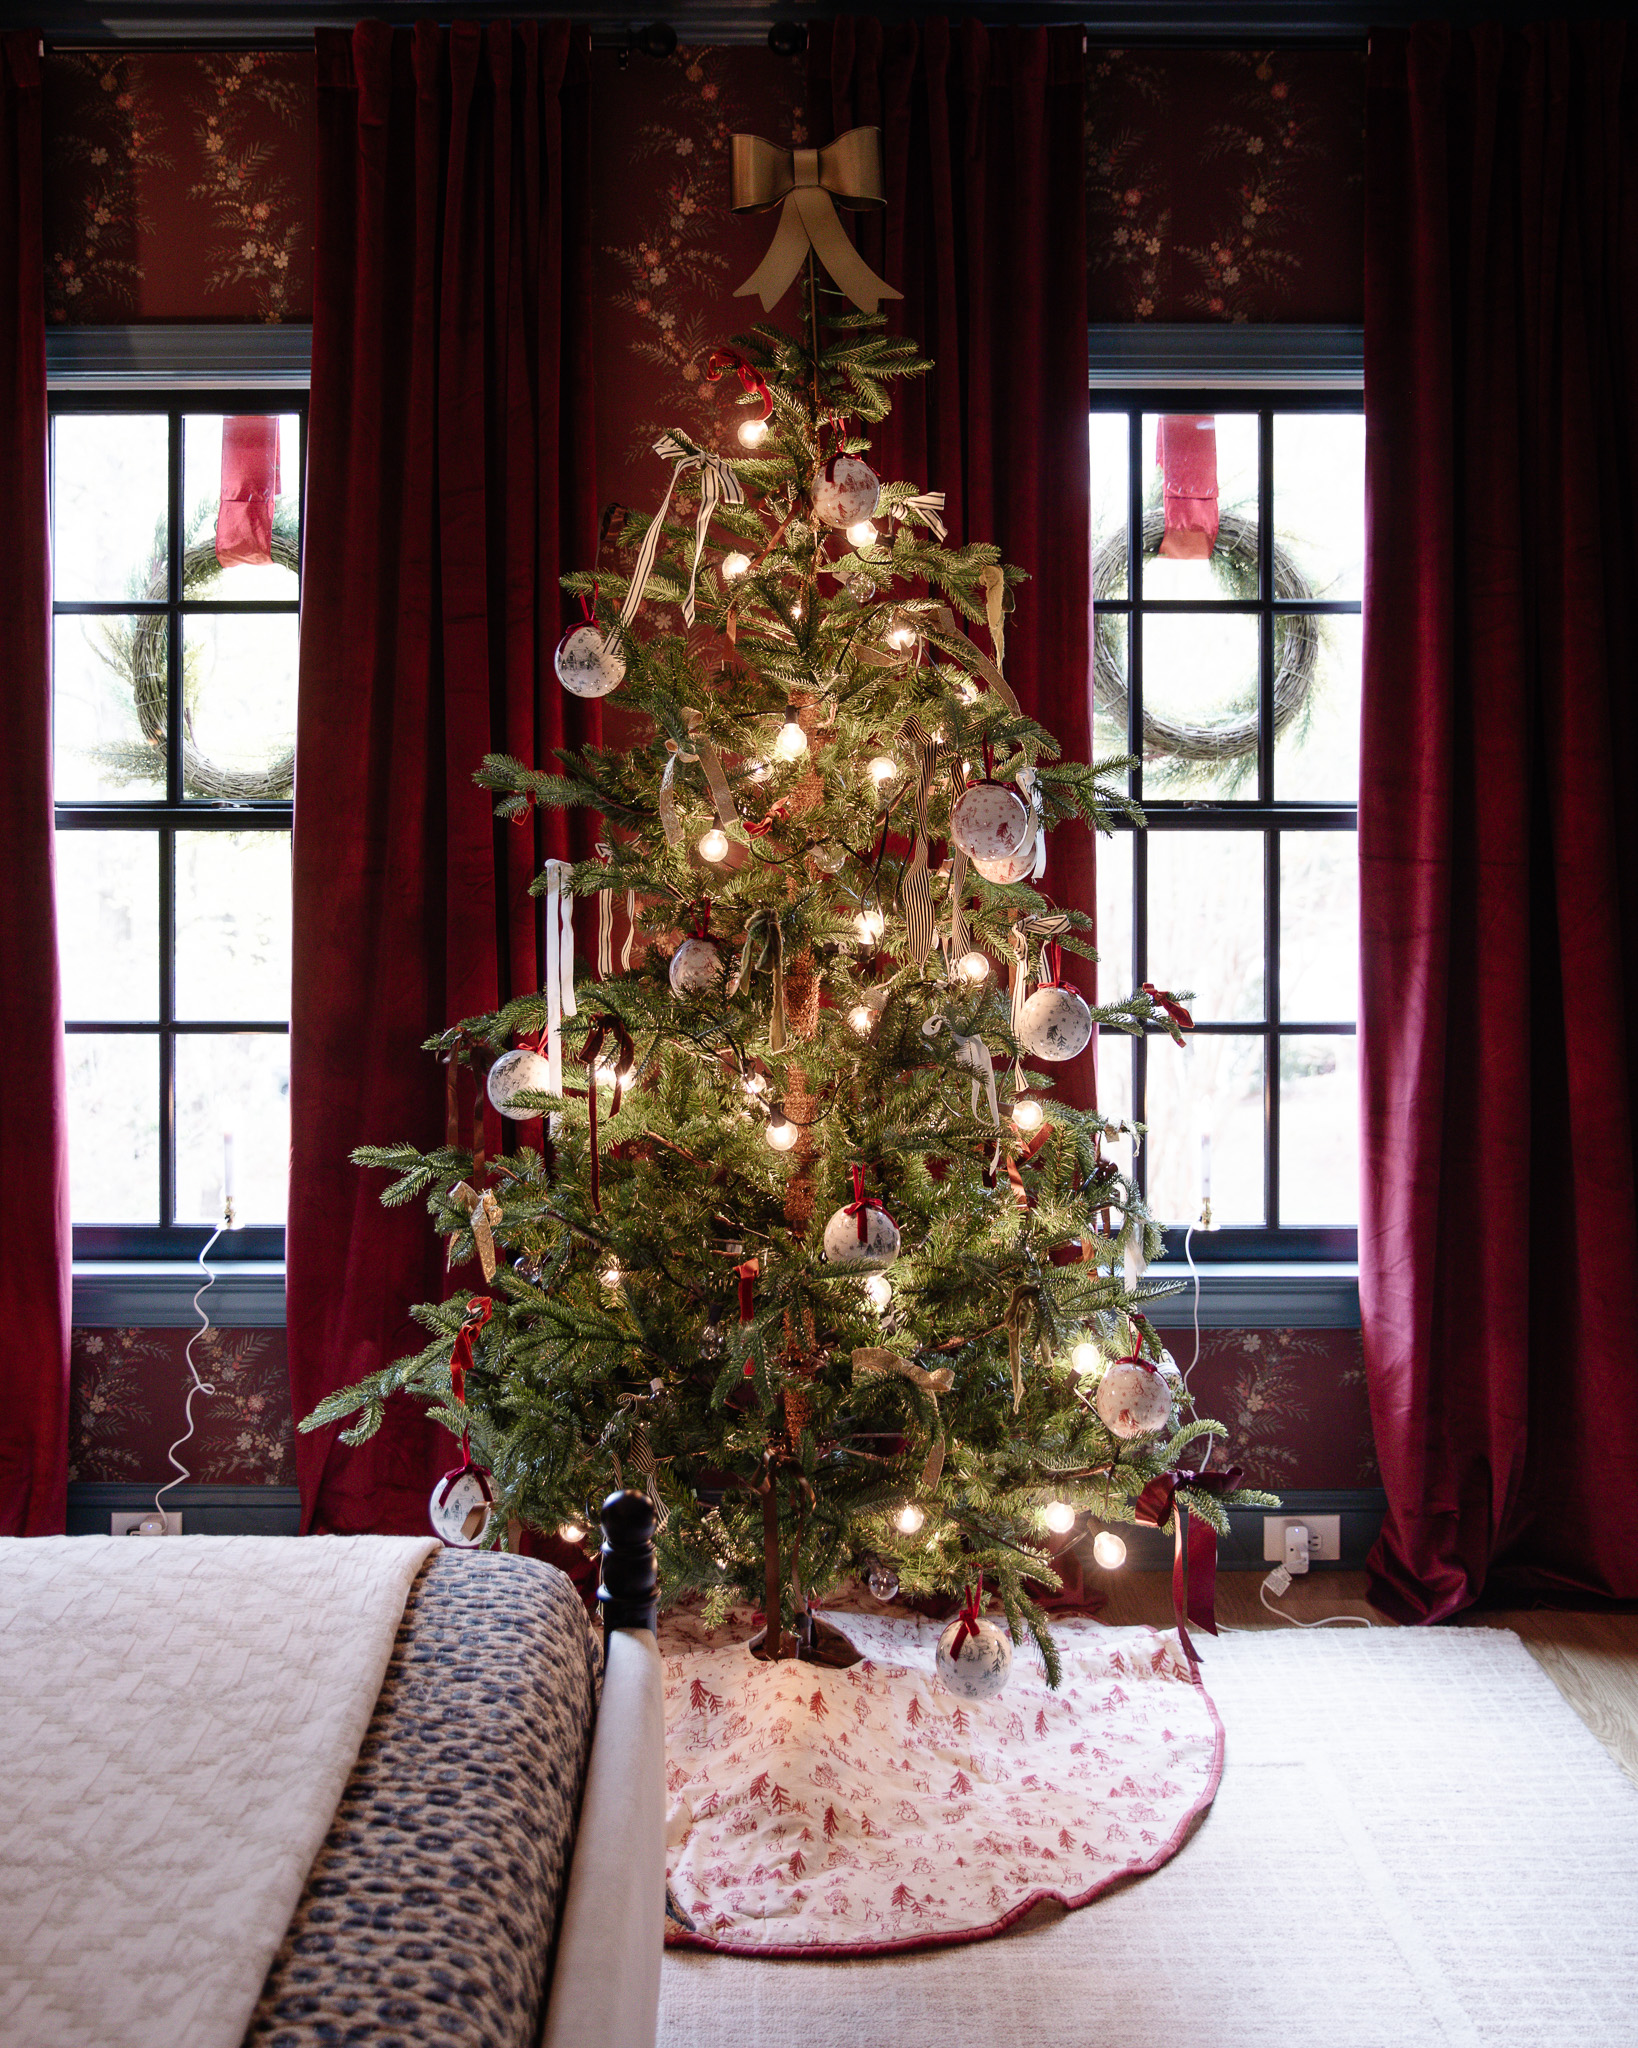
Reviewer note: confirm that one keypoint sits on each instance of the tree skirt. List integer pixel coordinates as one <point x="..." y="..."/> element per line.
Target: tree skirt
<point x="841" y="1813"/>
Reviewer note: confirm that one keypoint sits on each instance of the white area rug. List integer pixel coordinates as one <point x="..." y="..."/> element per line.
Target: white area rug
<point x="177" y="1721"/>
<point x="1416" y="1844"/>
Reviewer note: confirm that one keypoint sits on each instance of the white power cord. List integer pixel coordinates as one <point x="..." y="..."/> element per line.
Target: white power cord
<point x="1278" y="1583"/>
<point x="199" y="1386"/>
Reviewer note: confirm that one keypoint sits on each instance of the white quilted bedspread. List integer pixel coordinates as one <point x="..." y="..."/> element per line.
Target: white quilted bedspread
<point x="177" y="1722"/>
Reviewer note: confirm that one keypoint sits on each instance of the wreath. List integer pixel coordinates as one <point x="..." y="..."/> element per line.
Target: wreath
<point x="1234" y="561"/>
<point x="138" y="651"/>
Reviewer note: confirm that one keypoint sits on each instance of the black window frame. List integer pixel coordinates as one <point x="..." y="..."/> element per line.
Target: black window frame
<point x="1264" y="813"/>
<point x="168" y="1239"/>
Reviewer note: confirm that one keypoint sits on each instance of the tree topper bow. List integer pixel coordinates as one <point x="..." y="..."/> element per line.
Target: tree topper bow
<point x="805" y="184"/>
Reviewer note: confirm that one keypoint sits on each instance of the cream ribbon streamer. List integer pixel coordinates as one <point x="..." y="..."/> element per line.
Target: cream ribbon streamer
<point x="703" y="752"/>
<point x="805" y="184"/>
<point x="871" y="1360"/>
<point x="718" y="485"/>
<point x="915" y="889"/>
<point x="972" y="1054"/>
<point x="560" y="1001"/>
<point x="605" y="918"/>
<point x="485" y="1213"/>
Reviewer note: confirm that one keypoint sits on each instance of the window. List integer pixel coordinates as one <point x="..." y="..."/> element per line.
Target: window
<point x="1236" y="680"/>
<point x="174" y="690"/>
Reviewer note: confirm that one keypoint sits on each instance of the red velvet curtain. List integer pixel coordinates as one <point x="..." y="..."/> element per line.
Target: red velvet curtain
<point x="985" y="235"/>
<point x="1498" y="821"/>
<point x="34" y="1223"/>
<point x="449" y="484"/>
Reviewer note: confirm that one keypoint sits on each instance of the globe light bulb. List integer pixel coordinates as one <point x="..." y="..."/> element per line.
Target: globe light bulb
<point x="607" y="1076"/>
<point x="756" y="1084"/>
<point x="1027" y="1115"/>
<point x="973" y="967"/>
<point x="734" y="565"/>
<point x="752" y="433"/>
<point x="611" y="1275"/>
<point x="862" y="1018"/>
<point x="571" y="1532"/>
<point x="1059" y="1517"/>
<point x="781" y="1133"/>
<point x="1084" y="1357"/>
<point x="901" y="636"/>
<point x="870" y="924"/>
<point x="791" y="741"/>
<point x="967" y="692"/>
<point x="1109" y="1550"/>
<point x="909" y="1519"/>
<point x="862" y="533"/>
<point x="882" y="771"/>
<point x="714" y="845"/>
<point x="878" y="1291"/>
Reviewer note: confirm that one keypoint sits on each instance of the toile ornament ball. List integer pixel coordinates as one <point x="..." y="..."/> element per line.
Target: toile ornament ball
<point x="1132" y="1401"/>
<point x="460" y="1509"/>
<point x="586" y="665"/>
<point x="990" y="821"/>
<point x="983" y="1665"/>
<point x="518" y="1073"/>
<point x="844" y="490"/>
<point x="696" y="967"/>
<point x="1010" y="868"/>
<point x="881" y="1245"/>
<point x="1054" y="1024"/>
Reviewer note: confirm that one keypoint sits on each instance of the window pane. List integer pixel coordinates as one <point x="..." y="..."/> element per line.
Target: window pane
<point x="233" y="925"/>
<point x="1319" y="927"/>
<point x="1206" y="921"/>
<point x="108" y="924"/>
<point x="1210" y="1088"/>
<point x="1319" y="499"/>
<point x="237" y="1083"/>
<point x="113" y="1127"/>
<point x="1200" y="704"/>
<point x="108" y="480"/>
<point x="202" y="575"/>
<point x="240" y="689"/>
<point x="1114" y="912"/>
<point x="1319" y="1131"/>
<point x="108" y="694"/>
<point x="1110" y="494"/>
<point x="1225" y="573"/>
<point x="1316" y="751"/>
<point x="1109" y="684"/>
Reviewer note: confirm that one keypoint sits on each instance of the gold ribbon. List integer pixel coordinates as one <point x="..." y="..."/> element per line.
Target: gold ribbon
<point x="805" y="184"/>
<point x="484" y="1212"/>
<point x="871" y="1361"/>
<point x="1017" y="1309"/>
<point x="722" y="797"/>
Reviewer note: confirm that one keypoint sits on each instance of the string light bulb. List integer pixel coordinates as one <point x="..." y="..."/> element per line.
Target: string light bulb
<point x="878" y="1292"/>
<point x="791" y="741"/>
<point x="752" y="433"/>
<point x="607" y="1076"/>
<point x="1109" y="1550"/>
<point x="611" y="1276"/>
<point x="734" y="565"/>
<point x="870" y="924"/>
<point x="862" y="533"/>
<point x="973" y="967"/>
<point x="781" y="1133"/>
<point x="862" y="1018"/>
<point x="909" y="1519"/>
<point x="1059" y="1517"/>
<point x="1084" y="1357"/>
<point x="571" y="1532"/>
<point x="901" y="636"/>
<point x="1027" y="1114"/>
<point x="714" y="845"/>
<point x="882" y="770"/>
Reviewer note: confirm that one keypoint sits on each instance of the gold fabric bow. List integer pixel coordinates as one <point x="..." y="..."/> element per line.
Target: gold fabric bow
<point x="805" y="184"/>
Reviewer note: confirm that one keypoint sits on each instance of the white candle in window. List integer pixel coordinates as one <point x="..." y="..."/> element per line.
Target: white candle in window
<point x="227" y="1166"/>
<point x="1205" y="1167"/>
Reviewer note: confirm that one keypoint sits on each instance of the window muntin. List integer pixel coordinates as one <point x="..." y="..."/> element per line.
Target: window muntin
<point x="1237" y="683"/>
<point x="174" y="730"/>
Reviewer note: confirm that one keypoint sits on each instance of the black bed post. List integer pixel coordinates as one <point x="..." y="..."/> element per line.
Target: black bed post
<point x="629" y="1589"/>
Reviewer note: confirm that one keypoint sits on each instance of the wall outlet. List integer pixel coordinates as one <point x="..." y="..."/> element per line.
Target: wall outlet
<point x="1324" y="1537"/>
<point x="129" y="1521"/>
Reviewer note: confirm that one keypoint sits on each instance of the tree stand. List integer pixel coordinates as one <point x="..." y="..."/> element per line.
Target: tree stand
<point x="813" y="1641"/>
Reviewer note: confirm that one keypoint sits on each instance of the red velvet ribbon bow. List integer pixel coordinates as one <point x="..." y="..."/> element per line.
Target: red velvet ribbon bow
<point x="1178" y="1019"/>
<point x="746" y="1276"/>
<point x="463" y="1041"/>
<point x="478" y="1311"/>
<point x="1194" y="1553"/>
<point x="752" y="381"/>
<point x="756" y="827"/>
<point x="967" y="1625"/>
<point x="861" y="1205"/>
<point x="700" y="926"/>
<point x="1052" y="963"/>
<point x="625" y="1055"/>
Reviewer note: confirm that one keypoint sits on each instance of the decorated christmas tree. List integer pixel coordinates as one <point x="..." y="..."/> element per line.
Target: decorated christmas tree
<point x="809" y="1249"/>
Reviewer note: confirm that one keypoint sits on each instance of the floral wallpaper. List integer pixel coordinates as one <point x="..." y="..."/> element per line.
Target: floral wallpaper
<point x="1226" y="185"/>
<point x="128" y="1390"/>
<point x="179" y="185"/>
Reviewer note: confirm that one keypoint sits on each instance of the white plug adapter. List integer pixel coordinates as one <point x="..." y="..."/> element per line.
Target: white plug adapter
<point x="1296" y="1547"/>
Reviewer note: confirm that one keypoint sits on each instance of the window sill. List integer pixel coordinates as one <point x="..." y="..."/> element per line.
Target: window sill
<point x="157" y="1294"/>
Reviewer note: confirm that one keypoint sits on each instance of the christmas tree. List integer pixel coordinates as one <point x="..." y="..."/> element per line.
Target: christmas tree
<point x="810" y="1250"/>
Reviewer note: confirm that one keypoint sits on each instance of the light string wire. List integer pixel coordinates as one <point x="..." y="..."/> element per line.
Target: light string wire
<point x="199" y="1386"/>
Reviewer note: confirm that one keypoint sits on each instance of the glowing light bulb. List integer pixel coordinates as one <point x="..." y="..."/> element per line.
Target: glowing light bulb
<point x="571" y="1532"/>
<point x="862" y="533"/>
<point x="1109" y="1550"/>
<point x="973" y="967"/>
<point x="734" y="565"/>
<point x="1027" y="1115"/>
<point x="870" y="924"/>
<point x="1084" y="1357"/>
<point x="882" y="771"/>
<point x="862" y="1019"/>
<point x="901" y="636"/>
<point x="908" y="1519"/>
<point x="878" y="1291"/>
<point x="1059" y="1517"/>
<point x="607" y="1076"/>
<point x="752" y="433"/>
<point x="781" y="1133"/>
<point x="756" y="1084"/>
<point x="967" y="692"/>
<point x="611" y="1276"/>
<point x="714" y="845"/>
<point x="791" y="741"/>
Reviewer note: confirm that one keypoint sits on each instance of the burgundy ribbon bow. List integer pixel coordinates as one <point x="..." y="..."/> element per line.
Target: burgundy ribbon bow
<point x="1178" y="1019"/>
<point x="968" y="1623"/>
<point x="862" y="1204"/>
<point x="754" y="384"/>
<point x="478" y="1311"/>
<point x="625" y="1053"/>
<point x="1194" y="1553"/>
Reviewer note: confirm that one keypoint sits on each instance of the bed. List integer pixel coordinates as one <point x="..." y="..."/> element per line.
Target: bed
<point x="364" y="1789"/>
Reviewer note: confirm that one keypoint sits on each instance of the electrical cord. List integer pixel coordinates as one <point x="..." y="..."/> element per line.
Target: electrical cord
<point x="199" y="1386"/>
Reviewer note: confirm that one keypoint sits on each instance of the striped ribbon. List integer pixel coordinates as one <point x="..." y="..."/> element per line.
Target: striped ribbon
<point x="915" y="886"/>
<point x="559" y="968"/>
<point x="930" y="504"/>
<point x="717" y="486"/>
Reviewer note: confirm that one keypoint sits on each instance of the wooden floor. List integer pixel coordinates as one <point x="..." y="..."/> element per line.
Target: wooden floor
<point x="1591" y="1658"/>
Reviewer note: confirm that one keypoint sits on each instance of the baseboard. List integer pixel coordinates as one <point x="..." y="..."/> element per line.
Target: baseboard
<point x="1359" y="1509"/>
<point x="205" y="1510"/>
